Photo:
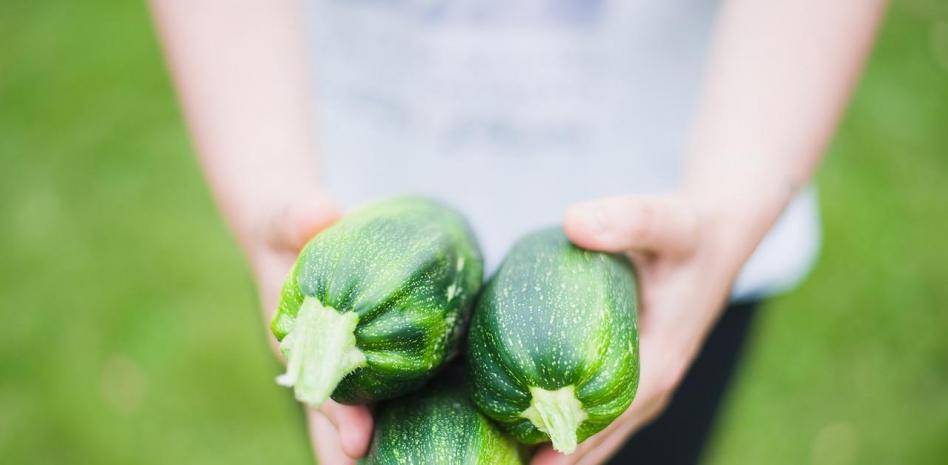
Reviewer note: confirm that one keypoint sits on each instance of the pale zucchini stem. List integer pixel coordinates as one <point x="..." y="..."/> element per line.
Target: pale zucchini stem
<point x="558" y="414"/>
<point x="320" y="351"/>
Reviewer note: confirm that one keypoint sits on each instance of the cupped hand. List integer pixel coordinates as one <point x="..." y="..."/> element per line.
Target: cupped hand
<point x="340" y="433"/>
<point x="685" y="264"/>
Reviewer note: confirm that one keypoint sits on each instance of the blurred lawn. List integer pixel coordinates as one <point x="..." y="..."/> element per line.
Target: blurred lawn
<point x="130" y="330"/>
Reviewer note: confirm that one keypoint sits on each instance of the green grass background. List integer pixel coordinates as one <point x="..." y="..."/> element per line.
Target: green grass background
<point x="130" y="332"/>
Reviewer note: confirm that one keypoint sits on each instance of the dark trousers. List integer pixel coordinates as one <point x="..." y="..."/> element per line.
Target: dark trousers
<point x="679" y="435"/>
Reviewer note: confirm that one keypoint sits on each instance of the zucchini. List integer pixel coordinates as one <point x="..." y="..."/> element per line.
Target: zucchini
<point x="553" y="344"/>
<point x="376" y="303"/>
<point x="439" y="426"/>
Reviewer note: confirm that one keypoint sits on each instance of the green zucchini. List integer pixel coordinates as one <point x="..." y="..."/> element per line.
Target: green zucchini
<point x="553" y="343"/>
<point x="439" y="426"/>
<point x="376" y="303"/>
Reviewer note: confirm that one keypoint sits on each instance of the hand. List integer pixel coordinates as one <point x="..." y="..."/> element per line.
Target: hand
<point x="340" y="433"/>
<point x="685" y="262"/>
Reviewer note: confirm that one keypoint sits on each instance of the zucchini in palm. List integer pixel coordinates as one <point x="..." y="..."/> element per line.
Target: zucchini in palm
<point x="375" y="303"/>
<point x="553" y="348"/>
<point x="439" y="426"/>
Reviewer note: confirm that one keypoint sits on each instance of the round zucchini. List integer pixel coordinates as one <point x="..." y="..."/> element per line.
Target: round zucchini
<point x="553" y="344"/>
<point x="439" y="426"/>
<point x="376" y="303"/>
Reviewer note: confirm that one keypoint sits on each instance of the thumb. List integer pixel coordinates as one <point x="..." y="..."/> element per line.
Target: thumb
<point x="661" y="225"/>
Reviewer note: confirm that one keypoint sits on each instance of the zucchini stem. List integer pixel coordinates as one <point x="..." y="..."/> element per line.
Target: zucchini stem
<point x="558" y="414"/>
<point x="320" y="351"/>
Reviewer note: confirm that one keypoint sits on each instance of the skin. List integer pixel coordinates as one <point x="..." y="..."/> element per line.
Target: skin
<point x="779" y="76"/>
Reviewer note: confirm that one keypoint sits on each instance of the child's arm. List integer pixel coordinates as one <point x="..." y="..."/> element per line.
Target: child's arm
<point x="779" y="76"/>
<point x="241" y="71"/>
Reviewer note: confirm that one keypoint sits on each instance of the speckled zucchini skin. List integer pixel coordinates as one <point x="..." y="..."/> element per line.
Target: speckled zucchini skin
<point x="410" y="269"/>
<point x="555" y="315"/>
<point x="439" y="426"/>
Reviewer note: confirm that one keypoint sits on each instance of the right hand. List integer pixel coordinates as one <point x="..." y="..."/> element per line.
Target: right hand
<point x="340" y="433"/>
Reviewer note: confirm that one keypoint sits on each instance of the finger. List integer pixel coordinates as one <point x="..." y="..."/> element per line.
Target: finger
<point x="617" y="224"/>
<point x="591" y="444"/>
<point x="291" y="228"/>
<point x="610" y="444"/>
<point x="354" y="424"/>
<point x="609" y="441"/>
<point x="649" y="402"/>
<point x="546" y="455"/>
<point x="325" y="440"/>
<point x="603" y="445"/>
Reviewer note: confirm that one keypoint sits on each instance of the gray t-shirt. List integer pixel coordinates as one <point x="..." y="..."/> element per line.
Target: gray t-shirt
<point x="511" y="110"/>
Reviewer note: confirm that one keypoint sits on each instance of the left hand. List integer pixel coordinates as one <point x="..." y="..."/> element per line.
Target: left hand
<point x="273" y="238"/>
<point x="685" y="262"/>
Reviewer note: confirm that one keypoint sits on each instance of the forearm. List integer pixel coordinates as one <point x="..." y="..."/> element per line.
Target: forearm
<point x="779" y="76"/>
<point x="241" y="74"/>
